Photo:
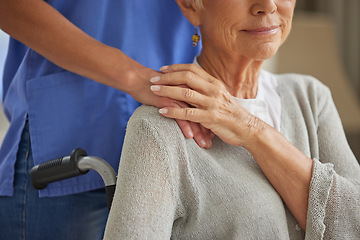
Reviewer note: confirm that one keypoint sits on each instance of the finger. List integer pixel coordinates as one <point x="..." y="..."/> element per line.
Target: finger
<point x="196" y="133"/>
<point x="202" y="136"/>
<point x="192" y="130"/>
<point x="168" y="102"/>
<point x="208" y="136"/>
<point x="190" y="79"/>
<point x="190" y="114"/>
<point x="184" y="125"/>
<point x="182" y="94"/>
<point x="187" y="67"/>
<point x="199" y="136"/>
<point x="185" y="128"/>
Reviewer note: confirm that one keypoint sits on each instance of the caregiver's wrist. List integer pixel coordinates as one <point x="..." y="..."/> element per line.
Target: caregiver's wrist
<point x="124" y="73"/>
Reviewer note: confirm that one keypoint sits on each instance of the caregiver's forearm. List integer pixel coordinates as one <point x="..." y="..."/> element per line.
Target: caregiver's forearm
<point x="42" y="28"/>
<point x="287" y="168"/>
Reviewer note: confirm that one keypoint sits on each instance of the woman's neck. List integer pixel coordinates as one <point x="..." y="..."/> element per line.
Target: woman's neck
<point x="239" y="73"/>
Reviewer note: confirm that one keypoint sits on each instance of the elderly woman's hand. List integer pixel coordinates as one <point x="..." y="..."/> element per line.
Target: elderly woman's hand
<point x="138" y="86"/>
<point x="213" y="106"/>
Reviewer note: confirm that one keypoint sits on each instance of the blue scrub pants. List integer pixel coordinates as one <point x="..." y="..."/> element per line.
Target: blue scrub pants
<point x="26" y="216"/>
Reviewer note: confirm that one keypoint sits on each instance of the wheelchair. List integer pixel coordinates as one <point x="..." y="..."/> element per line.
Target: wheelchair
<point x="76" y="164"/>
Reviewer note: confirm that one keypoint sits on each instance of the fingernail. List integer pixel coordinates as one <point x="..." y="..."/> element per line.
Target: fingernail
<point x="164" y="68"/>
<point x="163" y="111"/>
<point x="189" y="134"/>
<point x="202" y="143"/>
<point x="155" y="88"/>
<point x="155" y="79"/>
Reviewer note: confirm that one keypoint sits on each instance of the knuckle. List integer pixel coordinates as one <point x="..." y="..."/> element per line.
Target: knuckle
<point x="188" y="76"/>
<point x="217" y="93"/>
<point x="188" y="93"/>
<point x="192" y="67"/>
<point x="223" y="96"/>
<point x="189" y="113"/>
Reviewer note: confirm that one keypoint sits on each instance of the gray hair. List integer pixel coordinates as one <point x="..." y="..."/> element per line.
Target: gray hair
<point x="199" y="3"/>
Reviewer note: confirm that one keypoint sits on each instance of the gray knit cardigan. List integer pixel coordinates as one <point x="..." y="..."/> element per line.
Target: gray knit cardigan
<point x="169" y="188"/>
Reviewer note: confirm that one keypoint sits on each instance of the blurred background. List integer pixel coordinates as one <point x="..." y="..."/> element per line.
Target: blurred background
<point x="324" y="43"/>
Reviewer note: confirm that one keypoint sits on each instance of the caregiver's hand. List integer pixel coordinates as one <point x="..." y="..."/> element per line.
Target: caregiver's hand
<point x="213" y="106"/>
<point x="138" y="86"/>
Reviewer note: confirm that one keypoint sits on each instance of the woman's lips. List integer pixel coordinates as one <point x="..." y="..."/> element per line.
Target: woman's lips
<point x="263" y="31"/>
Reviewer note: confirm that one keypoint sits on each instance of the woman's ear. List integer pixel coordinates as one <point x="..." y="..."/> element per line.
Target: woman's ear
<point x="190" y="10"/>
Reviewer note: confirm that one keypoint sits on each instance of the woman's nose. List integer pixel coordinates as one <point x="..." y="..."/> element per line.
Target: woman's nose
<point x="263" y="7"/>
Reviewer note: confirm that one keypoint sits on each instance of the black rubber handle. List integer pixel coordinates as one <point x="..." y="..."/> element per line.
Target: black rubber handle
<point x="58" y="169"/>
<point x="110" y="190"/>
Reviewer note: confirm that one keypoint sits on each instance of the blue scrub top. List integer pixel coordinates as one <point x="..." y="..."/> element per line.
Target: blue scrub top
<point x="67" y="111"/>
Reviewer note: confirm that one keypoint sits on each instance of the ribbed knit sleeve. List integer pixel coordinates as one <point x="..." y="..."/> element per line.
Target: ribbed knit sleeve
<point x="334" y="198"/>
<point x="144" y="204"/>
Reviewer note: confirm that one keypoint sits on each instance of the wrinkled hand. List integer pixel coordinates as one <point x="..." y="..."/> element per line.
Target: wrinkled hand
<point x="213" y="106"/>
<point x="139" y="88"/>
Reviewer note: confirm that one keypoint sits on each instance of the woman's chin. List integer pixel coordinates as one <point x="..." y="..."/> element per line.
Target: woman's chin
<point x="263" y="53"/>
<point x="262" y="57"/>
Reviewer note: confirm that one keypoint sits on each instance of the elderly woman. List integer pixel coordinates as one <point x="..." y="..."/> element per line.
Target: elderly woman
<point x="279" y="167"/>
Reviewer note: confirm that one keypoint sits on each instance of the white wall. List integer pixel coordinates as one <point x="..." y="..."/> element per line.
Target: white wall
<point x="4" y="39"/>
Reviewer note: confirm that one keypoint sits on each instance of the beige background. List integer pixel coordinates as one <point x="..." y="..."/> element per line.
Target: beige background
<point x="312" y="48"/>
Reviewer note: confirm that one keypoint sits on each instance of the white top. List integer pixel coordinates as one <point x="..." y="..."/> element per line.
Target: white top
<point x="267" y="104"/>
